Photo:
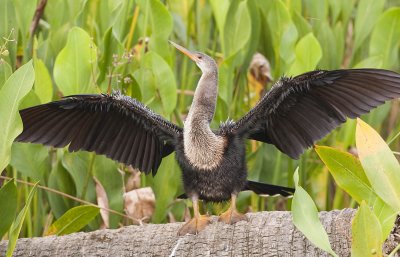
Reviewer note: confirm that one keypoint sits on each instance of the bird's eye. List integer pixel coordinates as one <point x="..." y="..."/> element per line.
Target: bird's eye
<point x="200" y="57"/>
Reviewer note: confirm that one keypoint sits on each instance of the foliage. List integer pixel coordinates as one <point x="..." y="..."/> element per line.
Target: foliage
<point x="367" y="179"/>
<point x="305" y="218"/>
<point x="96" y="46"/>
<point x="73" y="220"/>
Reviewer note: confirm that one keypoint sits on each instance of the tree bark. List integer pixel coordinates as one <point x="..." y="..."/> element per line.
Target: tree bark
<point x="265" y="234"/>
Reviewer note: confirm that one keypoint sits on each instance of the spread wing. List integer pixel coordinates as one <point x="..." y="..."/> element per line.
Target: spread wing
<point x="298" y="111"/>
<point x="115" y="125"/>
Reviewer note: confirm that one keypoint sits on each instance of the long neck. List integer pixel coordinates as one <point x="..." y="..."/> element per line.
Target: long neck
<point x="202" y="147"/>
<point x="205" y="98"/>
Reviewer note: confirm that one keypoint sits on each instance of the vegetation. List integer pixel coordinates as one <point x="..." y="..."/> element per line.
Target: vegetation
<point x="80" y="46"/>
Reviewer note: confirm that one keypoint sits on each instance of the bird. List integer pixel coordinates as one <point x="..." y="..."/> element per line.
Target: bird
<point x="292" y="115"/>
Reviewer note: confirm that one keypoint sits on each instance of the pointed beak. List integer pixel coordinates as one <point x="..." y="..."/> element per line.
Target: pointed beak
<point x="185" y="51"/>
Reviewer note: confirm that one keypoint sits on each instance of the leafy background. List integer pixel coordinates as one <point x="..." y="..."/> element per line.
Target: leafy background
<point x="89" y="46"/>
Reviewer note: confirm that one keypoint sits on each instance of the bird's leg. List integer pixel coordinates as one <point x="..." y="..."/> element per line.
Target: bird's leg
<point x="231" y="216"/>
<point x="197" y="223"/>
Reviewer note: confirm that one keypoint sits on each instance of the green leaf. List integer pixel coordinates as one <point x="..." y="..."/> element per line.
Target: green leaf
<point x="370" y="62"/>
<point x="220" y="10"/>
<point x="368" y="12"/>
<point x="161" y="26"/>
<point x="305" y="218"/>
<point x="24" y="14"/>
<point x="165" y="186"/>
<point x="386" y="216"/>
<point x="109" y="47"/>
<point x="79" y="165"/>
<point x="8" y="203"/>
<point x="73" y="220"/>
<point x="5" y="72"/>
<point x="283" y="31"/>
<point x="43" y="85"/>
<point x="348" y="173"/>
<point x="75" y="64"/>
<point x="385" y="38"/>
<point x="308" y="54"/>
<point x="366" y="233"/>
<point x="17" y="224"/>
<point x="11" y="94"/>
<point x="61" y="180"/>
<point x="30" y="160"/>
<point x="236" y="31"/>
<point x="379" y="163"/>
<point x="155" y="74"/>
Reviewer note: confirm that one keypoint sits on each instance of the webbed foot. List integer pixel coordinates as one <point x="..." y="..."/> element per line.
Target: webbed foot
<point x="195" y="225"/>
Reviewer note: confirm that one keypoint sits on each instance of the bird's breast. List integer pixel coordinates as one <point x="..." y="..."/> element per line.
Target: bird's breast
<point x="203" y="149"/>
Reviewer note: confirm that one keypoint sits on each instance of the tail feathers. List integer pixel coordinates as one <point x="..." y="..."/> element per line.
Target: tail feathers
<point x="262" y="189"/>
<point x="268" y="189"/>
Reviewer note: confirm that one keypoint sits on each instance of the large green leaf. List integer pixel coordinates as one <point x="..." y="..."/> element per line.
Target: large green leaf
<point x="165" y="185"/>
<point x="30" y="160"/>
<point x="155" y="79"/>
<point x="17" y="224"/>
<point x="379" y="163"/>
<point x="220" y="10"/>
<point x="8" y="203"/>
<point x="73" y="220"/>
<point x="385" y="38"/>
<point x="236" y="31"/>
<point x="11" y="94"/>
<point x="43" y="85"/>
<point x="76" y="63"/>
<point x="305" y="218"/>
<point x="348" y="173"/>
<point x="308" y="54"/>
<point x="366" y="233"/>
<point x="368" y="12"/>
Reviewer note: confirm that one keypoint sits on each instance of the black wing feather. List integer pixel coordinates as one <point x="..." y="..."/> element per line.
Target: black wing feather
<point x="298" y="111"/>
<point x="115" y="125"/>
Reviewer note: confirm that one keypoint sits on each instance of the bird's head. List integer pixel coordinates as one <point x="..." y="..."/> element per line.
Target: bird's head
<point x="203" y="61"/>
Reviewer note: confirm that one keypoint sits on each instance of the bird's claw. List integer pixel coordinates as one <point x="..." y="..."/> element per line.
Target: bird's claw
<point x="195" y="225"/>
<point x="232" y="216"/>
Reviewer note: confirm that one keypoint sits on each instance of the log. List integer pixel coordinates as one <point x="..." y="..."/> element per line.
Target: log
<point x="265" y="234"/>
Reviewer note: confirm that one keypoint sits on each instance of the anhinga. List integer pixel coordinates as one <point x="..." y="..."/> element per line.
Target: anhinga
<point x="292" y="115"/>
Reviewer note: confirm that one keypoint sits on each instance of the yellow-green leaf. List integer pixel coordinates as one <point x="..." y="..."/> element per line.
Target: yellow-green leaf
<point x="348" y="173"/>
<point x="379" y="163"/>
<point x="73" y="220"/>
<point x="11" y="94"/>
<point x="43" y="85"/>
<point x="308" y="54"/>
<point x="75" y="64"/>
<point x="385" y="38"/>
<point x="366" y="233"/>
<point x="386" y="216"/>
<point x="305" y="218"/>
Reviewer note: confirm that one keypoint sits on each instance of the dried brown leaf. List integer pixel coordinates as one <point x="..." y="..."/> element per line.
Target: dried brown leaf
<point x="140" y="203"/>
<point x="102" y="201"/>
